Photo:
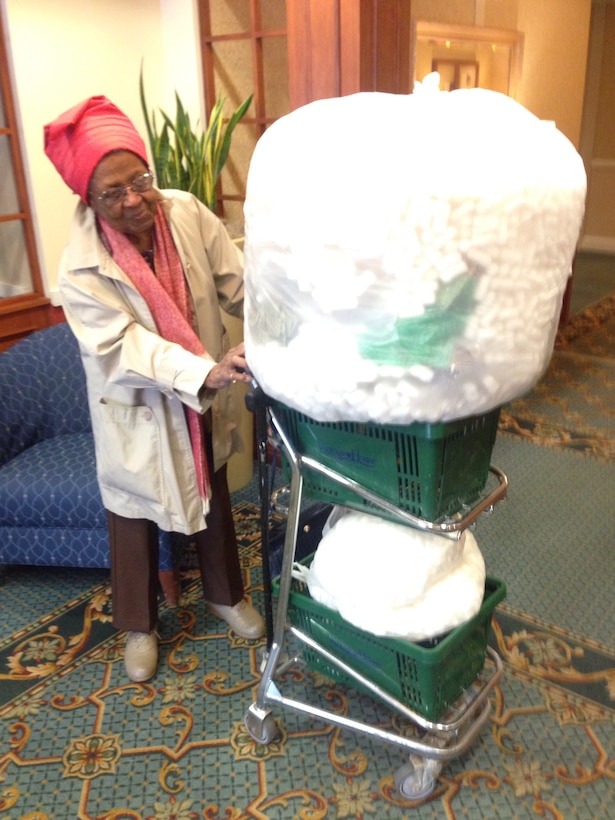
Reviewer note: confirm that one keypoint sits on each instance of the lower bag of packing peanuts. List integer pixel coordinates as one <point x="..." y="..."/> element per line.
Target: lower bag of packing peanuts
<point x="414" y="585"/>
<point x="406" y="255"/>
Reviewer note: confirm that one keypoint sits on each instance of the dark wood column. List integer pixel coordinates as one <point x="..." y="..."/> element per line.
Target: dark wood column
<point x="339" y="47"/>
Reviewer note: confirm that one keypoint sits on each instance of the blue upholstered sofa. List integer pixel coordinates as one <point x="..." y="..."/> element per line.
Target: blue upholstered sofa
<point x="51" y="512"/>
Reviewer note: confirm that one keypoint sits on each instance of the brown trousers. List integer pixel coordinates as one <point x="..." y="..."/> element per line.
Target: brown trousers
<point x="134" y="561"/>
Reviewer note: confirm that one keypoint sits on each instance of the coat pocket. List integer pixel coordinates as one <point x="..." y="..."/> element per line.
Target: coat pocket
<point x="129" y="452"/>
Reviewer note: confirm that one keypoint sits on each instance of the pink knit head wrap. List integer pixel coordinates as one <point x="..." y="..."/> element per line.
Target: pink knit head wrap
<point x="78" y="139"/>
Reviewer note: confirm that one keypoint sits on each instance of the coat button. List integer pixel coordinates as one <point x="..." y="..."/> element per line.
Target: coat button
<point x="147" y="415"/>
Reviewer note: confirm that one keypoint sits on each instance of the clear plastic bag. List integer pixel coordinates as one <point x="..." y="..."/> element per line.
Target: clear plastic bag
<point x="406" y="256"/>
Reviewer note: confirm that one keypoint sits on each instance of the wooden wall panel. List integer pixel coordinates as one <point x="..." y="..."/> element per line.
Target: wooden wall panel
<point x="325" y="48"/>
<point x="339" y="47"/>
<point x="391" y="55"/>
<point x="299" y="51"/>
<point x="350" y="47"/>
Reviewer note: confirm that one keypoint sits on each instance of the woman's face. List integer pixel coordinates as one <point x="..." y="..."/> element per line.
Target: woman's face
<point x="134" y="213"/>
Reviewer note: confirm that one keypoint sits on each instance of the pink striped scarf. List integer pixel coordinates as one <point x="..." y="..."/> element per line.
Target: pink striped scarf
<point x="167" y="297"/>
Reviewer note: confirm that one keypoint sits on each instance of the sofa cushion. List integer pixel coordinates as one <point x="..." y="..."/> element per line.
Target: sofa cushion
<point x="43" y="393"/>
<point x="54" y="547"/>
<point x="53" y="484"/>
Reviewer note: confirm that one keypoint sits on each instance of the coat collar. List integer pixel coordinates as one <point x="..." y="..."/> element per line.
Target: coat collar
<point x="85" y="248"/>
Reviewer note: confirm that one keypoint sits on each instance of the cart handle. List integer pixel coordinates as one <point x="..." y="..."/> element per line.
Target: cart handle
<point x="450" y="525"/>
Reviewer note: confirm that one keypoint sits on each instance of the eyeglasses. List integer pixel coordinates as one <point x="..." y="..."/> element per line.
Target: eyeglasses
<point x="140" y="185"/>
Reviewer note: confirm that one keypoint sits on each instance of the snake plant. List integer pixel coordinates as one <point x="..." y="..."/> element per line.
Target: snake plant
<point x="184" y="158"/>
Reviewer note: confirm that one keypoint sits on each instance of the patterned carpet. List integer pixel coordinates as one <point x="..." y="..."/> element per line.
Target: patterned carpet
<point x="78" y="740"/>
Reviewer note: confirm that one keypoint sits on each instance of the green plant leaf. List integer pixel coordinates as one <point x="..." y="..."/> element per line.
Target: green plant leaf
<point x="150" y="128"/>
<point x="188" y="158"/>
<point x="226" y="143"/>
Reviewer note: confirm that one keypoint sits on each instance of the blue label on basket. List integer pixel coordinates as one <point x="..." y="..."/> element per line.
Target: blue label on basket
<point x="352" y="456"/>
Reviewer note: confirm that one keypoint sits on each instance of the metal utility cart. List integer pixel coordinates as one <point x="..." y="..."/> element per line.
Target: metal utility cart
<point x="433" y="477"/>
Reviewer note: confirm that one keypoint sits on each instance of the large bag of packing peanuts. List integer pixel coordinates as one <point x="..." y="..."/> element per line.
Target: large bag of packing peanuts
<point x="414" y="585"/>
<point x="406" y="256"/>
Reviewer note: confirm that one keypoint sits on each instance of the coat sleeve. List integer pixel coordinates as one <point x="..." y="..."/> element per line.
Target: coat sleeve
<point x="226" y="261"/>
<point x="115" y="330"/>
<point x="208" y="248"/>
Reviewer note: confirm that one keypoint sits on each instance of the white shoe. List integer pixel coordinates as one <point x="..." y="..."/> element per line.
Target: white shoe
<point x="243" y="619"/>
<point x="141" y="655"/>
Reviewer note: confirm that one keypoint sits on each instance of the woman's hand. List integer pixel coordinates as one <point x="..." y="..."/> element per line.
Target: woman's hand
<point x="233" y="368"/>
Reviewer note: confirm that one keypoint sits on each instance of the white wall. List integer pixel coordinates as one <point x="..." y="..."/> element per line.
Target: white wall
<point x="64" y="51"/>
<point x="554" y="61"/>
<point x="598" y="134"/>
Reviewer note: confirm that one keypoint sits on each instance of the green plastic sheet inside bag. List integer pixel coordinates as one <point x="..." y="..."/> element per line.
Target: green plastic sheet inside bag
<point x="428" y="339"/>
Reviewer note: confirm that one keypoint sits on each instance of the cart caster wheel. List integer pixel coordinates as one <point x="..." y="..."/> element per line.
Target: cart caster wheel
<point x="262" y="730"/>
<point x="416" y="779"/>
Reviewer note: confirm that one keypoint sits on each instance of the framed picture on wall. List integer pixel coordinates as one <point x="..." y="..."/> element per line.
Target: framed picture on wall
<point x="456" y="73"/>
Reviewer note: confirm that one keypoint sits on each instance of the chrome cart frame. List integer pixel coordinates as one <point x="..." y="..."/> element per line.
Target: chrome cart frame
<point x="438" y="741"/>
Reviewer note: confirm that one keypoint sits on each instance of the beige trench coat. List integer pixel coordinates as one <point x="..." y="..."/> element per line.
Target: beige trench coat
<point x="139" y="383"/>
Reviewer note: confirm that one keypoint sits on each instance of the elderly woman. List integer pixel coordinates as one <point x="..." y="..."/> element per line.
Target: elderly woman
<point x="143" y="279"/>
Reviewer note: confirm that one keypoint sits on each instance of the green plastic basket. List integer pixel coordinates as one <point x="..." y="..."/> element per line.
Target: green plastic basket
<point x="429" y="470"/>
<point x="427" y="678"/>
